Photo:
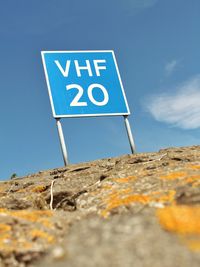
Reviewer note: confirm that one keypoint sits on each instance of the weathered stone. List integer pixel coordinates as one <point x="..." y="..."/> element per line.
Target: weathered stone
<point x="134" y="210"/>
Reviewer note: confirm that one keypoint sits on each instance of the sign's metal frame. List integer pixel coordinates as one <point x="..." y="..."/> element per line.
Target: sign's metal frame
<point x="58" y="117"/>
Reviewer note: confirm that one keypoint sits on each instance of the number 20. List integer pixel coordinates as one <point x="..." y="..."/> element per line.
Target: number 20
<point x="76" y="101"/>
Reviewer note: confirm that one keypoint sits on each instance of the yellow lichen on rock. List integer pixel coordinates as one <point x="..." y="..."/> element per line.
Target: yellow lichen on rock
<point x="174" y="176"/>
<point x="125" y="180"/>
<point x="193" y="179"/>
<point x="183" y="221"/>
<point x="9" y="243"/>
<point x="163" y="197"/>
<point x="4" y="228"/>
<point x="39" y="188"/>
<point x="124" y="197"/>
<point x="4" y="233"/>
<point x="180" y="219"/>
<point x="36" y="233"/>
<point x="193" y="167"/>
<point x="40" y="216"/>
<point x="26" y="230"/>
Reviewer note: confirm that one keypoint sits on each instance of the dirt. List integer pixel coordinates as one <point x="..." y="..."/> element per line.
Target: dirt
<point x="134" y="210"/>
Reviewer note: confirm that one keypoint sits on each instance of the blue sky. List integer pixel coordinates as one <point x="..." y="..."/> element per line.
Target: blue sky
<point x="157" y="46"/>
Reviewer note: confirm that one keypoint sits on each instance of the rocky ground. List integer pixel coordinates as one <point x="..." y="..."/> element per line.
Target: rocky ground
<point x="138" y="210"/>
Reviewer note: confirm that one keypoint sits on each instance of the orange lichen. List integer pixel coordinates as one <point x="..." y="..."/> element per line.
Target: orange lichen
<point x="32" y="226"/>
<point x="9" y="243"/>
<point x="120" y="198"/>
<point x="39" y="188"/>
<point x="4" y="232"/>
<point x="4" y="228"/>
<point x="124" y="192"/>
<point x="127" y="200"/>
<point x="163" y="197"/>
<point x="34" y="189"/>
<point x="124" y="197"/>
<point x="183" y="221"/>
<point x="194" y="167"/>
<point x="180" y="219"/>
<point x="174" y="176"/>
<point x="35" y="233"/>
<point x="22" y="190"/>
<point x="107" y="187"/>
<point x="125" y="180"/>
<point x="40" y="216"/>
<point x="192" y="179"/>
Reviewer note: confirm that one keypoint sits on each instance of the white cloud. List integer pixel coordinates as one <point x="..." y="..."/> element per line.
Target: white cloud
<point x="170" y="67"/>
<point x="180" y="108"/>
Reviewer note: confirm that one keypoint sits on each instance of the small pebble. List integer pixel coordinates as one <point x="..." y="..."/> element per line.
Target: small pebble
<point x="58" y="253"/>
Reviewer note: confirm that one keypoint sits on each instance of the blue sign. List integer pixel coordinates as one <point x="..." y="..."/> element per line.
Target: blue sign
<point x="84" y="83"/>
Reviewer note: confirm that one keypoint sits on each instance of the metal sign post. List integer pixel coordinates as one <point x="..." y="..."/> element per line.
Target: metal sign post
<point x="129" y="133"/>
<point x="62" y="141"/>
<point x="85" y="84"/>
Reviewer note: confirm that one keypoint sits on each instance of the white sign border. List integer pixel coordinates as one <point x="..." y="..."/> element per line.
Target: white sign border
<point x="83" y="115"/>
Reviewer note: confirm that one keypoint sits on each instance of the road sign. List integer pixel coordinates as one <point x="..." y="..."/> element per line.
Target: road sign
<point x="84" y="83"/>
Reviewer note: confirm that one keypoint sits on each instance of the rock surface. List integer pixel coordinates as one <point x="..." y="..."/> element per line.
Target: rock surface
<point x="136" y="210"/>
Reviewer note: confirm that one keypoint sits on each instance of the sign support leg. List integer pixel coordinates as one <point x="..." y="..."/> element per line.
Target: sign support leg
<point x="62" y="141"/>
<point x="129" y="133"/>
